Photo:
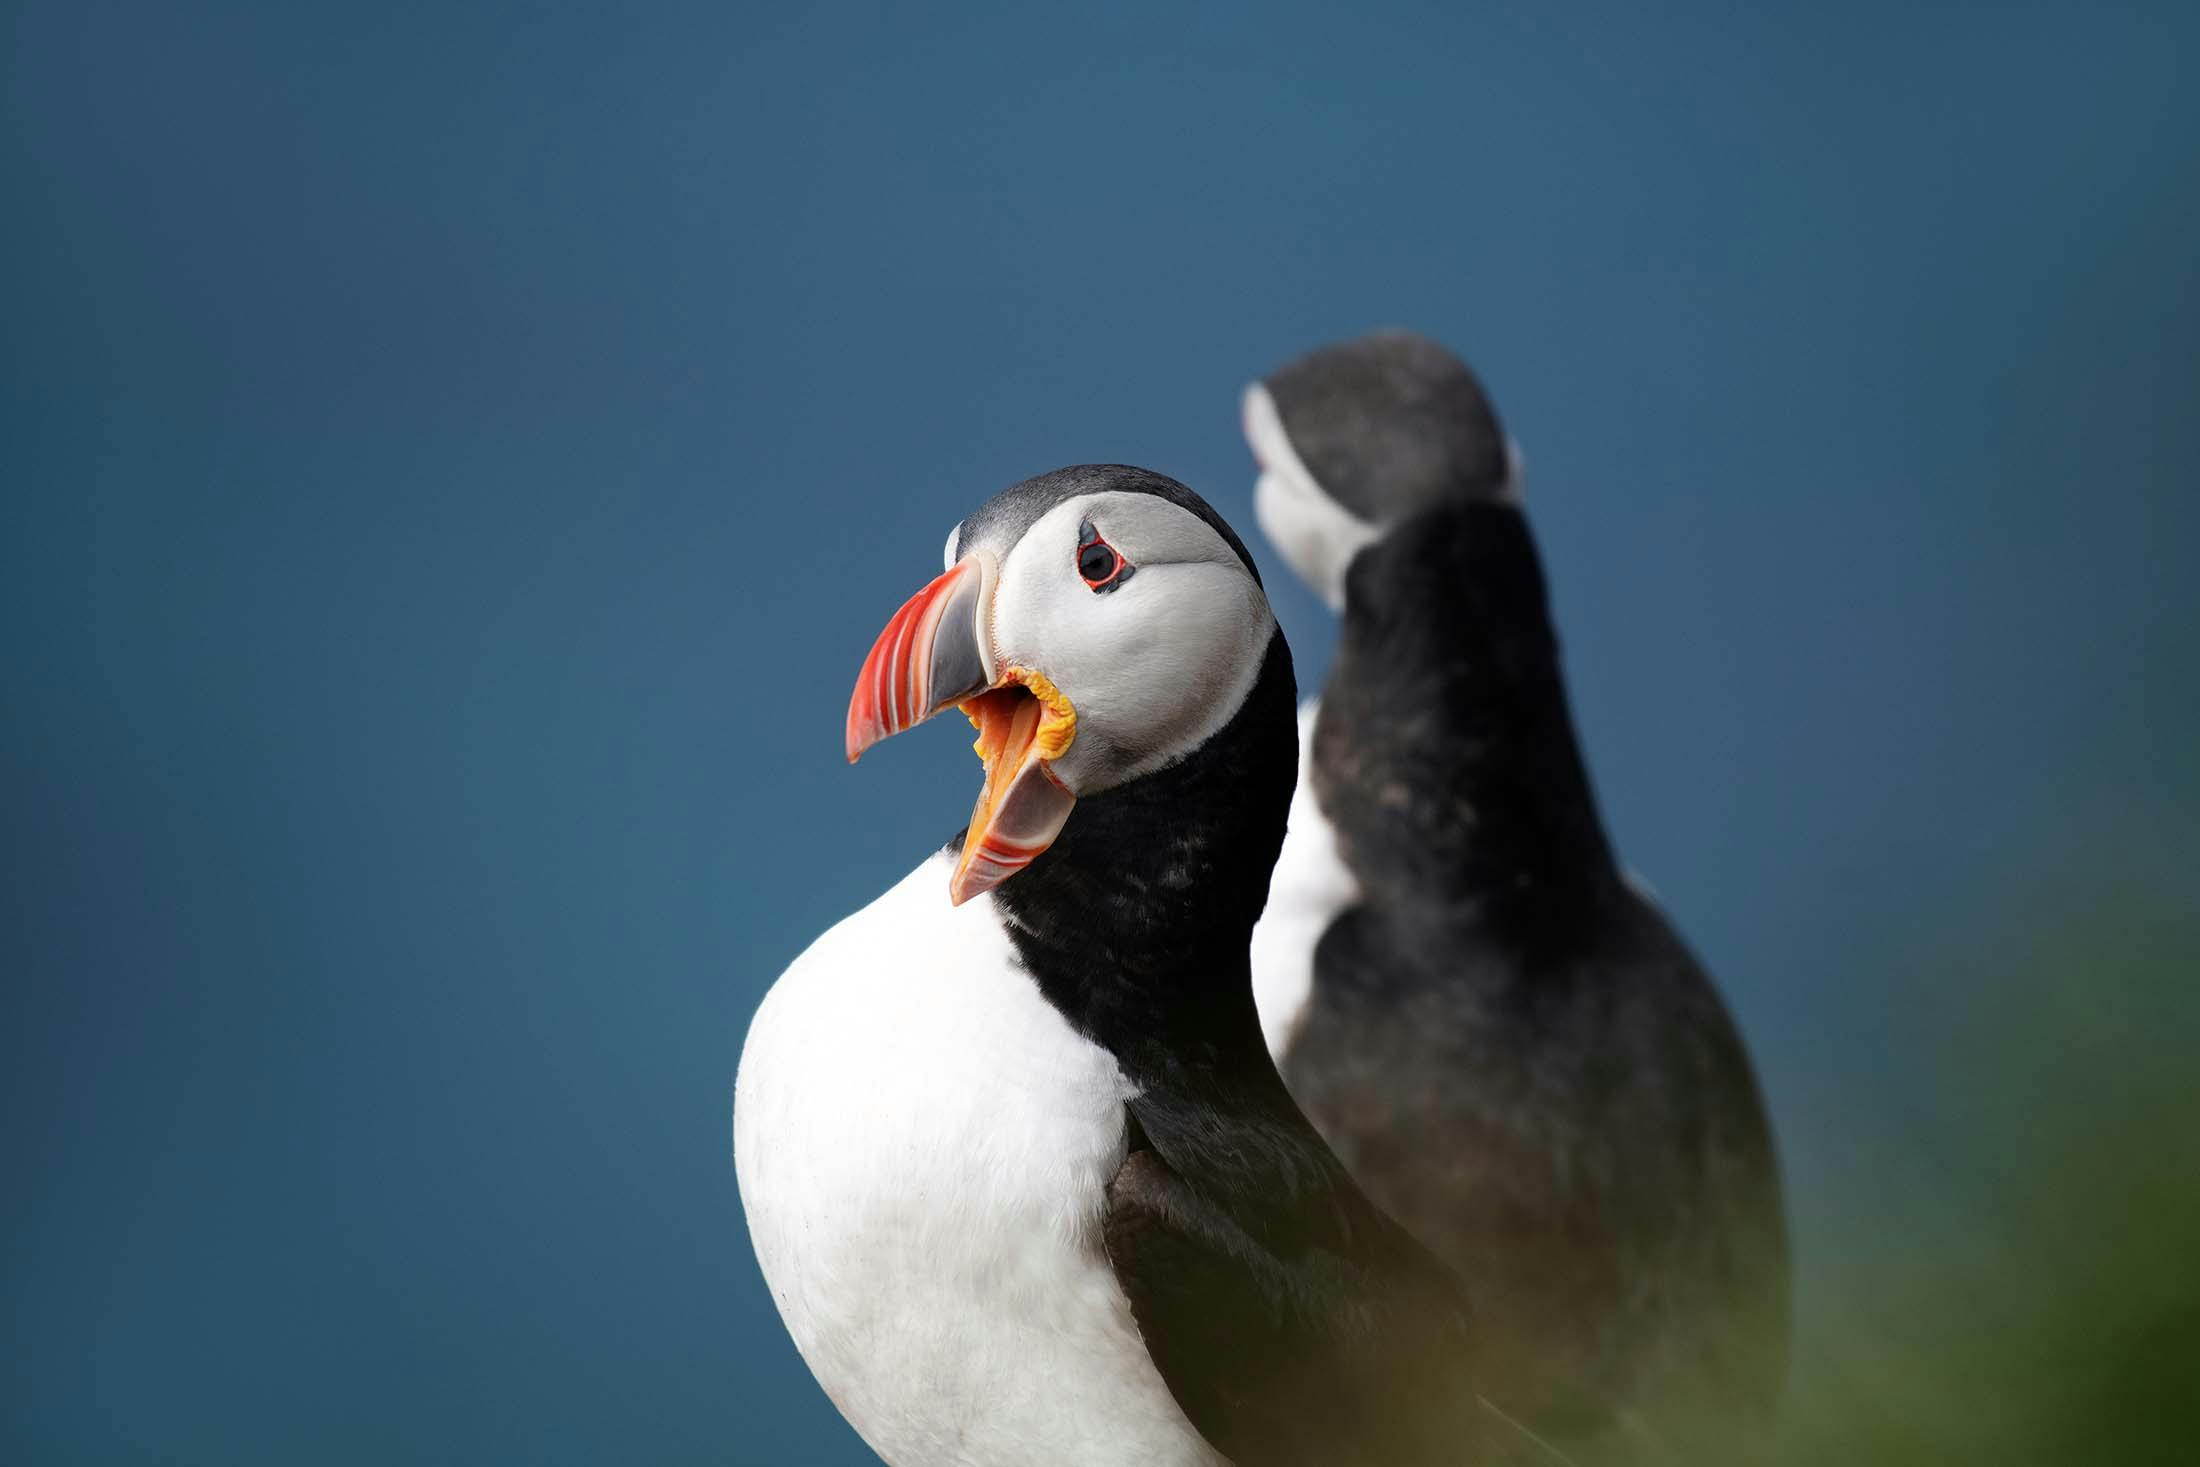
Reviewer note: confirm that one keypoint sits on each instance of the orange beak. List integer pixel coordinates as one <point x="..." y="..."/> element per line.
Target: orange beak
<point x="936" y="653"/>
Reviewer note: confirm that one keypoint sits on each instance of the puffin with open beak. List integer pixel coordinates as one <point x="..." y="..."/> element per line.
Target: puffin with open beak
<point x="1021" y="1176"/>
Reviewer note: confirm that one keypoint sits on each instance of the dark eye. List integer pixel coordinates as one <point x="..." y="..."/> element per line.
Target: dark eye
<point x="1097" y="561"/>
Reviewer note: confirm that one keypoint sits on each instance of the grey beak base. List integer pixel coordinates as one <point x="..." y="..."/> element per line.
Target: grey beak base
<point x="959" y="663"/>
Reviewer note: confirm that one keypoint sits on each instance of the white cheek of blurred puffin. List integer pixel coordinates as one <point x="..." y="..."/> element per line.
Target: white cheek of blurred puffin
<point x="1316" y="535"/>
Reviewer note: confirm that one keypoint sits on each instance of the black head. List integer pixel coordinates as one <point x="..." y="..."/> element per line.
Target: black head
<point x="1006" y="516"/>
<point x="1389" y="423"/>
<point x="1354" y="439"/>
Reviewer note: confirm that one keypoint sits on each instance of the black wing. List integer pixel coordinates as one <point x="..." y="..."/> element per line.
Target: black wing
<point x="1294" y="1347"/>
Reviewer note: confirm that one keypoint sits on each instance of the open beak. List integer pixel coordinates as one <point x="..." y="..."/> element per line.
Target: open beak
<point x="937" y="653"/>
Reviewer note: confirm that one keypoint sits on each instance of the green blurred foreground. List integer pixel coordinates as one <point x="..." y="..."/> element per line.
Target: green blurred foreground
<point x="2042" y="1303"/>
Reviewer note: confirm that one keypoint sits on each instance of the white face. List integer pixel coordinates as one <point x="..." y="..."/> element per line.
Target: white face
<point x="1314" y="533"/>
<point x="1157" y="661"/>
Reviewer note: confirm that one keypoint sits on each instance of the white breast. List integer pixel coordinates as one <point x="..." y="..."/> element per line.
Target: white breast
<point x="1310" y="887"/>
<point x="923" y="1145"/>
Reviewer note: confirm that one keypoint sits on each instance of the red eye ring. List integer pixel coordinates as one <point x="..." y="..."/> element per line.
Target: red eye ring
<point x="1100" y="565"/>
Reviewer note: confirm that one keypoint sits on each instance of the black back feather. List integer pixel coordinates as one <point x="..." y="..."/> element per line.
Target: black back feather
<point x="1507" y="1045"/>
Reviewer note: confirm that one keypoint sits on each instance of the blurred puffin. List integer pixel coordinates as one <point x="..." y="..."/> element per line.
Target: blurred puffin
<point x="1020" y="1173"/>
<point x="1503" y="1039"/>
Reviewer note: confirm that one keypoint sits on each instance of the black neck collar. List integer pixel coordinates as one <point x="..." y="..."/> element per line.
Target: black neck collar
<point x="1136" y="922"/>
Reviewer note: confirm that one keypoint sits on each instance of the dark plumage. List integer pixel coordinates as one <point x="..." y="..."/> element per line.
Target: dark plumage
<point x="1506" y="1044"/>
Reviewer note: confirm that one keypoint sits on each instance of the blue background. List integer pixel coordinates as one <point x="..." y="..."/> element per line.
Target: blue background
<point x="455" y="459"/>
